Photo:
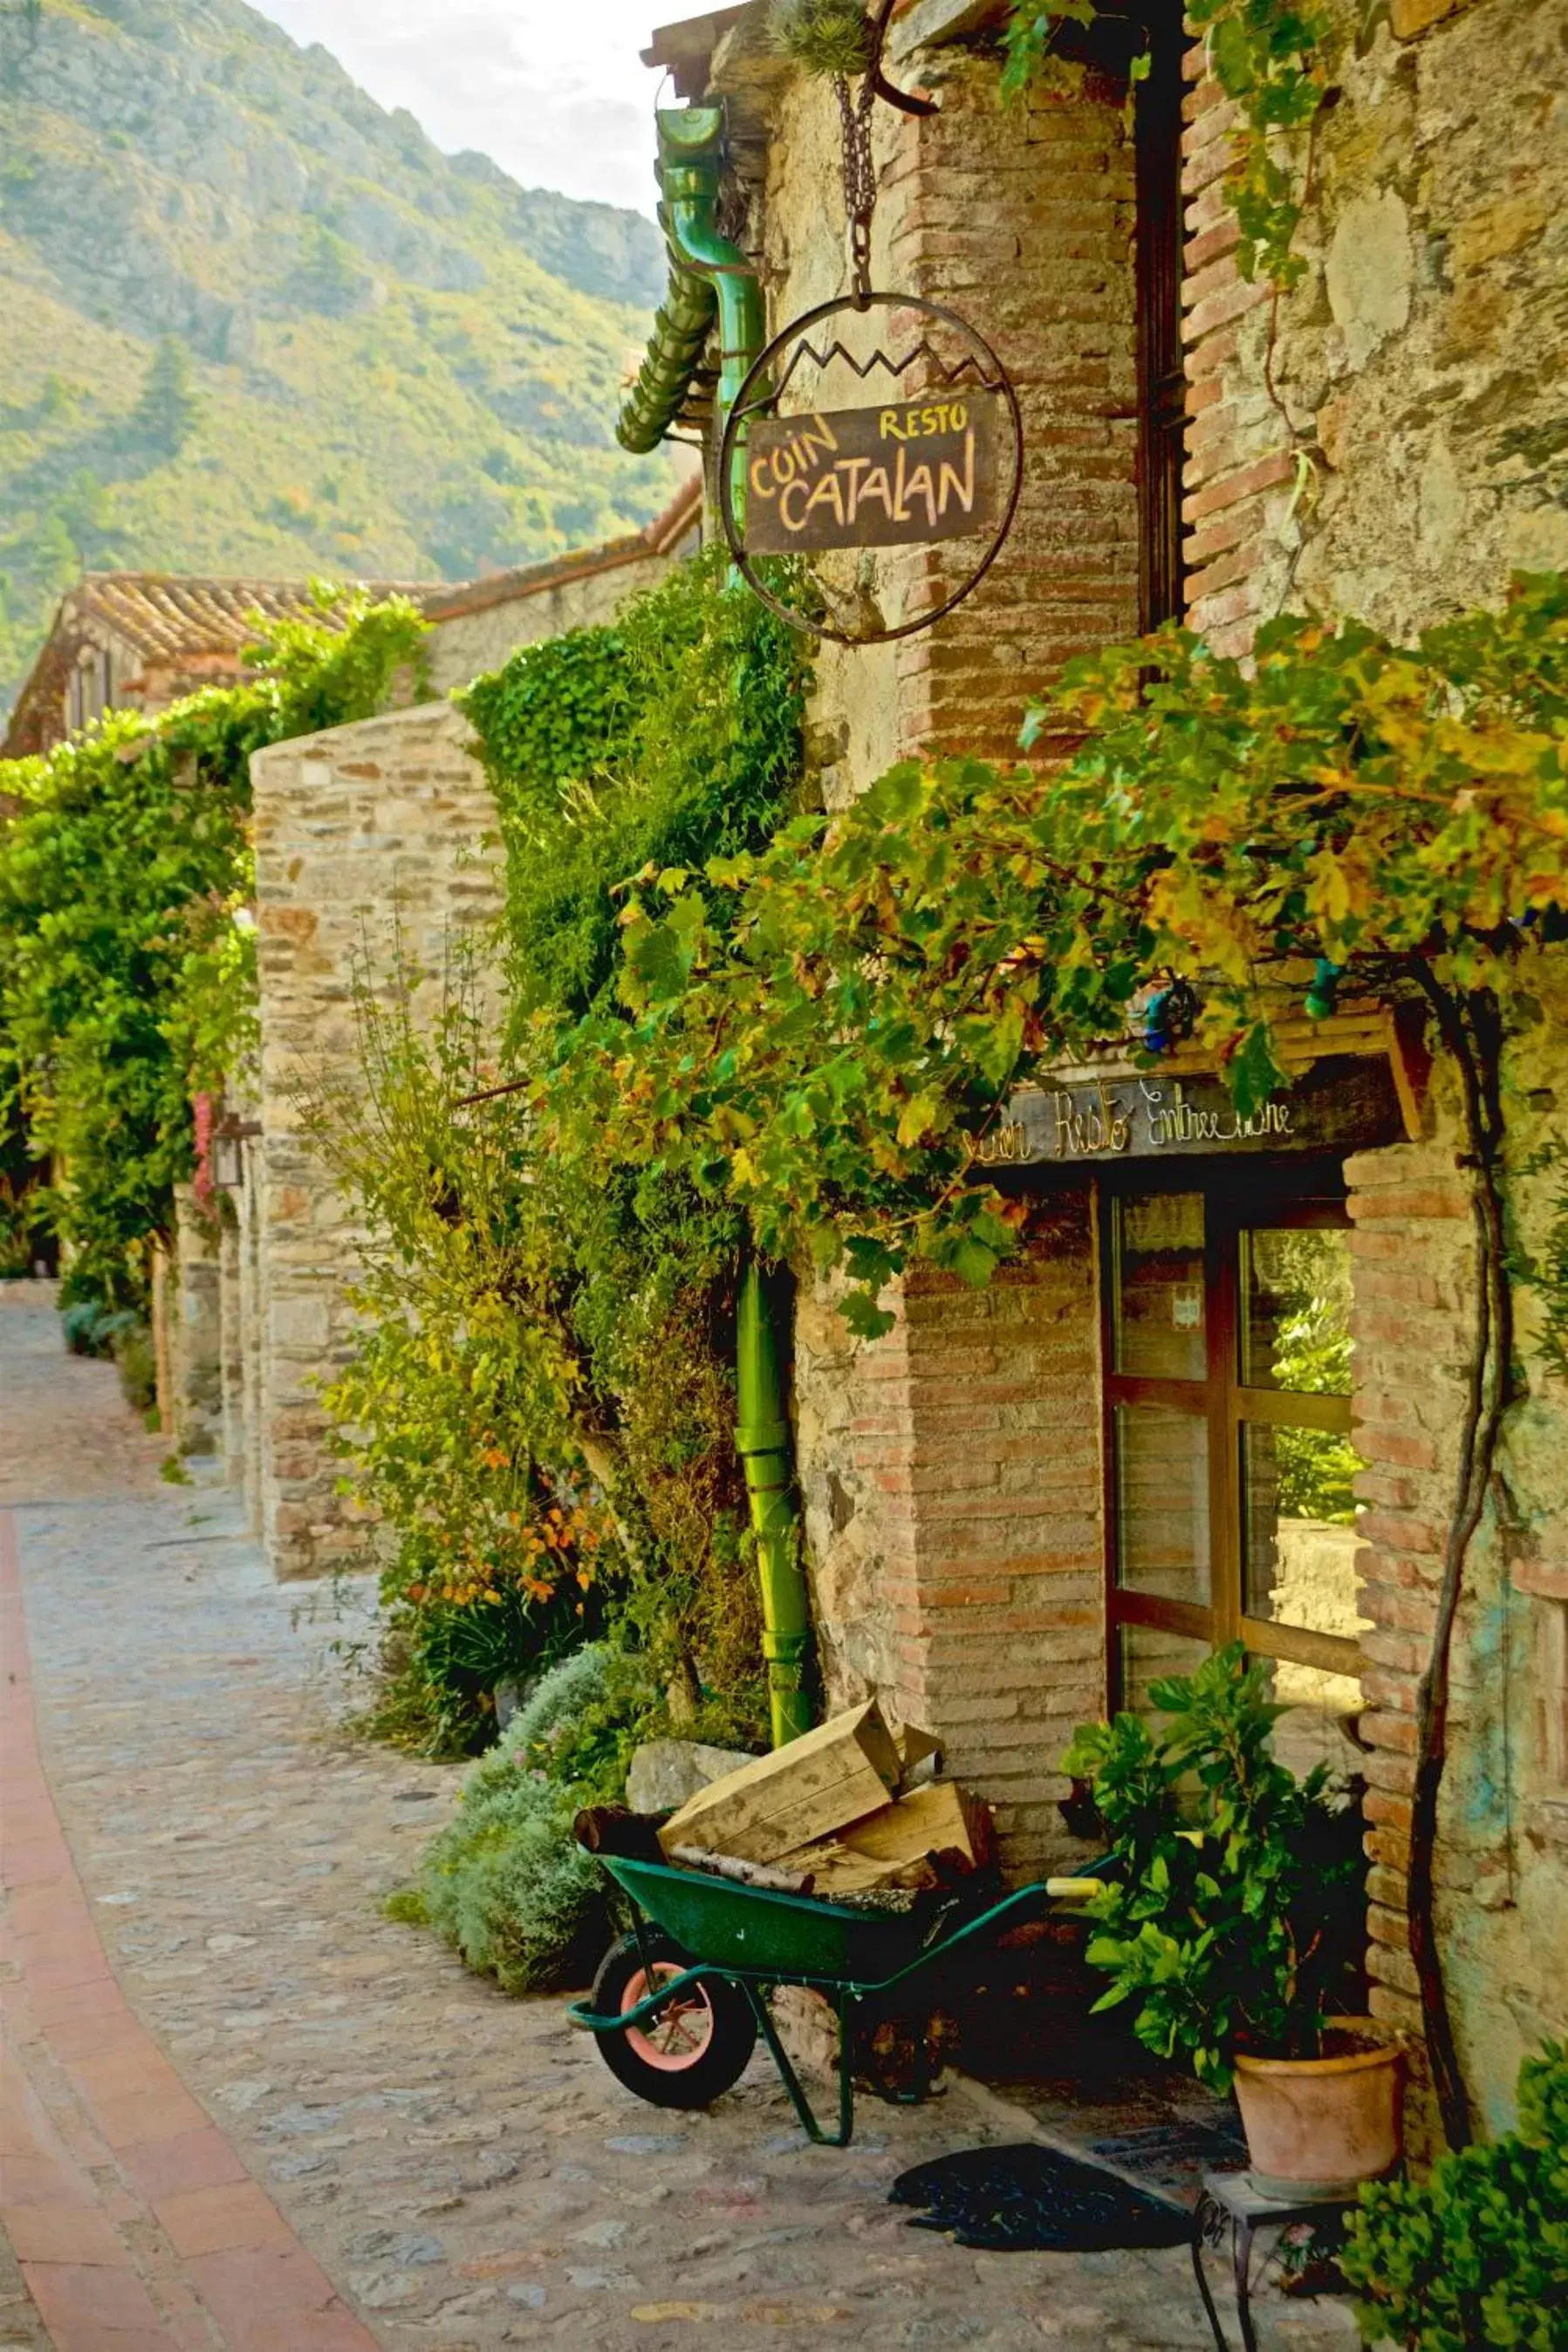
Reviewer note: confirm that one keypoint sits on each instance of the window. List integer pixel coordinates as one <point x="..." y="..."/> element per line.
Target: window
<point x="1162" y="375"/>
<point x="1229" y="1462"/>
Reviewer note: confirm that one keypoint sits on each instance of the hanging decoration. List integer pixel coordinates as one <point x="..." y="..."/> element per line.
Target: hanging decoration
<point x="878" y="421"/>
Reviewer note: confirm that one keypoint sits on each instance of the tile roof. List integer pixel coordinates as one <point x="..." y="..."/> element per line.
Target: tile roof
<point x="168" y="616"/>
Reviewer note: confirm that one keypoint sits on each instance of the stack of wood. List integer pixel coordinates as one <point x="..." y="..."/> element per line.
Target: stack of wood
<point x="838" y="1812"/>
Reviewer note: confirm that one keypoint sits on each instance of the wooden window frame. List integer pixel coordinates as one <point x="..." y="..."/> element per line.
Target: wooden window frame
<point x="1162" y="360"/>
<point x="1305" y="1195"/>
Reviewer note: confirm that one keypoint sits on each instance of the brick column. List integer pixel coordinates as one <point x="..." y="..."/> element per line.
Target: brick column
<point x="1411" y="1322"/>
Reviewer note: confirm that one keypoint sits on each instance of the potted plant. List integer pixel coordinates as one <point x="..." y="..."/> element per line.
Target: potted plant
<point x="1238" y="1925"/>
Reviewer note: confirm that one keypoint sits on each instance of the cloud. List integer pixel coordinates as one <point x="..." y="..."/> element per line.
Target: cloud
<point x="553" y="90"/>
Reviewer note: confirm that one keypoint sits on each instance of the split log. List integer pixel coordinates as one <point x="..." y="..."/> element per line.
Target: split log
<point x="812" y="1789"/>
<point x="744" y="1873"/>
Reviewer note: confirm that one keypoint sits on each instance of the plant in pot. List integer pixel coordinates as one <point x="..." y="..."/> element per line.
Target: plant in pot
<point x="1238" y="1926"/>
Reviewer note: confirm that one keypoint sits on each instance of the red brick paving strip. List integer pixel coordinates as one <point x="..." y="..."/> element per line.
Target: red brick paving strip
<point x="136" y="2225"/>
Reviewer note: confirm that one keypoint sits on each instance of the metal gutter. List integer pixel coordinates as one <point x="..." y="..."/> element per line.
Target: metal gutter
<point x="762" y="1441"/>
<point x="710" y="279"/>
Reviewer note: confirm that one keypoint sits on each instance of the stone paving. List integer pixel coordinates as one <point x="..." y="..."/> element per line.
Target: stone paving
<point x="461" y="2168"/>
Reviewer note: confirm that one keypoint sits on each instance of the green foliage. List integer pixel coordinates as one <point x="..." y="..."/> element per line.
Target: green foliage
<point x="1476" y="2255"/>
<point x="541" y="1333"/>
<point x="126" y="956"/>
<point x="407" y="1908"/>
<point x="825" y="37"/>
<point x="819" y="1031"/>
<point x="352" y="367"/>
<point x="1266" y="56"/>
<point x="671" y="737"/>
<point x="505" y="1882"/>
<point x="165" y="415"/>
<point x="1238" y="1911"/>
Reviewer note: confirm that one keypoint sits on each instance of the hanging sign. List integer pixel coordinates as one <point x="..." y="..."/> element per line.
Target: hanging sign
<point x="911" y="471"/>
<point x="1345" y="1103"/>
<point x="877" y="421"/>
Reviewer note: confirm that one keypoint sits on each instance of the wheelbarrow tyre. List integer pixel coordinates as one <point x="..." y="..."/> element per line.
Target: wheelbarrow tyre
<point x="686" y="2056"/>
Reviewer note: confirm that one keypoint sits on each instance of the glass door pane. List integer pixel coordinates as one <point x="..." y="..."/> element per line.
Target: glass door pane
<point x="1162" y="1503"/>
<point x="1159" y="1312"/>
<point x="1294" y="1324"/>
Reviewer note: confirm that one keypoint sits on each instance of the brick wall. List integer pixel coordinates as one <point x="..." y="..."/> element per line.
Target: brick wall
<point x="1373" y="444"/>
<point x="370" y="841"/>
<point x="1021" y="219"/>
<point x="950" y="1473"/>
<point x="951" y="1481"/>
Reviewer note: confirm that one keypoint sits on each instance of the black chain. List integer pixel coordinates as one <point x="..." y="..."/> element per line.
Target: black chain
<point x="860" y="179"/>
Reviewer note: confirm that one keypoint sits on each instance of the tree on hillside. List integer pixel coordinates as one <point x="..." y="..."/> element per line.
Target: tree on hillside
<point x="326" y="278"/>
<point x="165" y="415"/>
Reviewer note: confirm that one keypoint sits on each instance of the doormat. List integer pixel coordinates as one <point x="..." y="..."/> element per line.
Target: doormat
<point x="1029" y="2199"/>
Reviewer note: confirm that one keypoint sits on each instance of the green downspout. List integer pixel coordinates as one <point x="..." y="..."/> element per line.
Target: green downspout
<point x="762" y="1439"/>
<point x="707" y="272"/>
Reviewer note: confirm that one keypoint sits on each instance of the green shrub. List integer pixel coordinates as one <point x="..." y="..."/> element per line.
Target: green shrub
<point x="91" y="1329"/>
<point x="505" y="1881"/>
<point x="136" y="1359"/>
<point x="1478" y="2256"/>
<point x="1239" y="1919"/>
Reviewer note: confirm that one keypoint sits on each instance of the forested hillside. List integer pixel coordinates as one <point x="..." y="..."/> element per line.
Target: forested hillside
<point x="254" y="324"/>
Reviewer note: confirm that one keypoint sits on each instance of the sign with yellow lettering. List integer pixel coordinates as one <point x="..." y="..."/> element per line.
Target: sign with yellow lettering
<point x="911" y="471"/>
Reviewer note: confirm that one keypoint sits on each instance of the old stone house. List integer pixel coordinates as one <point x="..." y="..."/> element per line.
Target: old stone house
<point x="372" y="843"/>
<point x="1026" y="1501"/>
<point x="138" y="641"/>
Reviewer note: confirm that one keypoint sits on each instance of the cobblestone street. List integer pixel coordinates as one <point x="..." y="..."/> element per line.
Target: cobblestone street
<point x="283" y="2122"/>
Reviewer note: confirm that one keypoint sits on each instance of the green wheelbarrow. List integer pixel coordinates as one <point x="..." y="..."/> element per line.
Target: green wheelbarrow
<point x="678" y="2003"/>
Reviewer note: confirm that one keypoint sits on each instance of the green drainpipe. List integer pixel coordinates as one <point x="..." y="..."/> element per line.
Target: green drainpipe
<point x="762" y="1439"/>
<point x="707" y="272"/>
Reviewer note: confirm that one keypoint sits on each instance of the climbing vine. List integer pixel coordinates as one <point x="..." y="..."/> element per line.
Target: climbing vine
<point x="566" y="1328"/>
<point x="1267" y="57"/>
<point x="822" y="1034"/>
<point x="126" y="952"/>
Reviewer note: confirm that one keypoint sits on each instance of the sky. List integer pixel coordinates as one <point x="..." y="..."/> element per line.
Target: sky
<point x="552" y="89"/>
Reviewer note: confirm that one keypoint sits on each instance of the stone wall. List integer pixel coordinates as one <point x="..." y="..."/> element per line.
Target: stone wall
<point x="950" y="1479"/>
<point x="1389" y="440"/>
<point x="1502" y="1874"/>
<point x="478" y="626"/>
<point x="372" y="841"/>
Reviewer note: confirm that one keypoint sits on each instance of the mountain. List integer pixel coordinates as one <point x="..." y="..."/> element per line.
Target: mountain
<point x="253" y="323"/>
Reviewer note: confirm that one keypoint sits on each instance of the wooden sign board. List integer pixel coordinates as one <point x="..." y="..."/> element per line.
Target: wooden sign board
<point x="910" y="472"/>
<point x="1346" y="1103"/>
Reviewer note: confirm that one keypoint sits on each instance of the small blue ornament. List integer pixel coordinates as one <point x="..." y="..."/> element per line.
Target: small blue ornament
<point x="1323" y="996"/>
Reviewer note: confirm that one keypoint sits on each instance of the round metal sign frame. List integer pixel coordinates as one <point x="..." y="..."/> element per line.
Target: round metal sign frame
<point x="756" y="398"/>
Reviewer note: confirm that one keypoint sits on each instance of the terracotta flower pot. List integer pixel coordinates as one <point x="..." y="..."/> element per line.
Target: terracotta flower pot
<point x="1316" y="2127"/>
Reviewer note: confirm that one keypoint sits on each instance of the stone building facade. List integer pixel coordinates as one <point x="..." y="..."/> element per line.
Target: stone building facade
<point x="376" y="844"/>
<point x="1386" y="440"/>
<point x="1016" y="1511"/>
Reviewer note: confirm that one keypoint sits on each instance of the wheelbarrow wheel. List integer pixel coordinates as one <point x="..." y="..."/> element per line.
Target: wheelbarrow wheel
<point x="686" y="2055"/>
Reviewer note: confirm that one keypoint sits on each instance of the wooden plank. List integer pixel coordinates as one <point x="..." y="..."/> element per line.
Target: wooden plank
<point x="828" y="1778"/>
<point x="939" y="1818"/>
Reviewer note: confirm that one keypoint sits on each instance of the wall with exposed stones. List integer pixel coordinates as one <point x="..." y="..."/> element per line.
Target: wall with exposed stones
<point x="1390" y="439"/>
<point x="949" y="1475"/>
<point x="1386" y="440"/>
<point x="372" y="841"/>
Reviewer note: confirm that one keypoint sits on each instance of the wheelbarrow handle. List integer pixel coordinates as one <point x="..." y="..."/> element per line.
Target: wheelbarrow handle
<point x="1074" y="1890"/>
